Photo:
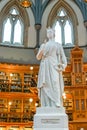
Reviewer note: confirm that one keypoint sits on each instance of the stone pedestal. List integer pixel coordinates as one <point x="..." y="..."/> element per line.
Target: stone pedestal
<point x="50" y="118"/>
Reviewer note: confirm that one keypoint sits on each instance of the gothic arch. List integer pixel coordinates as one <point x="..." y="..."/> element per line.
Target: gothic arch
<point x="23" y="14"/>
<point x="69" y="11"/>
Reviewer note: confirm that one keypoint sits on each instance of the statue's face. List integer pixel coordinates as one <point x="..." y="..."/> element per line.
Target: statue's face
<point x="50" y="34"/>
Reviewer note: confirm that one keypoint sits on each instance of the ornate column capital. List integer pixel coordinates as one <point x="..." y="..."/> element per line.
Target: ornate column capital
<point x="85" y="24"/>
<point x="37" y="26"/>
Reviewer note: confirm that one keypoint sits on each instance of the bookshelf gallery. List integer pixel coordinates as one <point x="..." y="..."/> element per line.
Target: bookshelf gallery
<point x="19" y="94"/>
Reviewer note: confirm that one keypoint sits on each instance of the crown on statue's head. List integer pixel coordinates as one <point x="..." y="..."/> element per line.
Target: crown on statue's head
<point x="50" y="29"/>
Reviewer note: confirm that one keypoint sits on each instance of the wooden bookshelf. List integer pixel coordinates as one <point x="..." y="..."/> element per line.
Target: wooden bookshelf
<point x="18" y="84"/>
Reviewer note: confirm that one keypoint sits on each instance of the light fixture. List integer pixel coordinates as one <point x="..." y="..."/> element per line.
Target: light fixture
<point x="11" y="74"/>
<point x="31" y="100"/>
<point x="36" y="104"/>
<point x="10" y="103"/>
<point x="25" y="3"/>
<point x="31" y="67"/>
<point x="64" y="95"/>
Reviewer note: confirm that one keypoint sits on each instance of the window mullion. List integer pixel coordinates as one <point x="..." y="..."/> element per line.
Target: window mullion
<point x="63" y="36"/>
<point x="12" y="31"/>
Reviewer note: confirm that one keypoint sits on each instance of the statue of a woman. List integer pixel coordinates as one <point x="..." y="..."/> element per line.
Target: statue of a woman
<point x="53" y="62"/>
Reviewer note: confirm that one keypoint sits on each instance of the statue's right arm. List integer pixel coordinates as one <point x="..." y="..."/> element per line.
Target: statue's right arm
<point x="40" y="52"/>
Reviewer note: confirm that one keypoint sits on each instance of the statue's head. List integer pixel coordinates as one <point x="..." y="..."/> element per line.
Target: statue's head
<point x="50" y="32"/>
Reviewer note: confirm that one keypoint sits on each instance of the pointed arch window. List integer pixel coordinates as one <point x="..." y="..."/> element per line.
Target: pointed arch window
<point x="13" y="28"/>
<point x="63" y="28"/>
<point x="7" y="26"/>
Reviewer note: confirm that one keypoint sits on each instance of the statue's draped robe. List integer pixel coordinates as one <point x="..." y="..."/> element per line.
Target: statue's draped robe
<point x="50" y="80"/>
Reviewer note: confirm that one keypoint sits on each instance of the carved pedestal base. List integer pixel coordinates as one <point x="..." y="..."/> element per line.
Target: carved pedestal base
<point x="50" y="118"/>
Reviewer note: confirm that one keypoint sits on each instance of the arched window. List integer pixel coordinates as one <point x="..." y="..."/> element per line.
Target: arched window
<point x="63" y="28"/>
<point x="64" y="20"/>
<point x="14" y="24"/>
<point x="13" y="28"/>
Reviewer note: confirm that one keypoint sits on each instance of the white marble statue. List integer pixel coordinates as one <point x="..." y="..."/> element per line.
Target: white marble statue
<point x="53" y="62"/>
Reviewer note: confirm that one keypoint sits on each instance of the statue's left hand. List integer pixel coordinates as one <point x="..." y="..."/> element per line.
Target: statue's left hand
<point x="58" y="68"/>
